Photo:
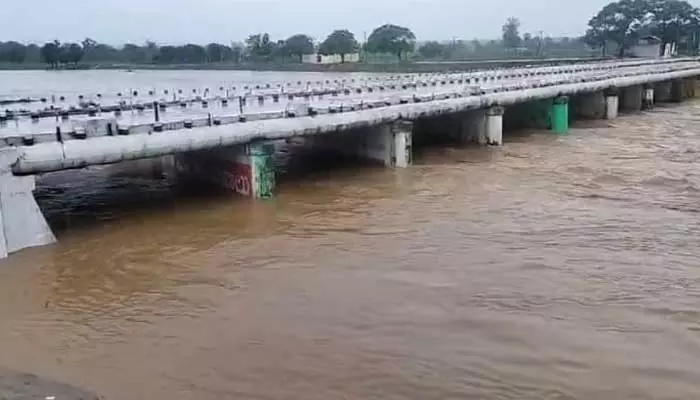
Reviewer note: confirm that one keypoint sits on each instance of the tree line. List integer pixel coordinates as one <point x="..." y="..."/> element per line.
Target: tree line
<point x="618" y="26"/>
<point x="389" y="39"/>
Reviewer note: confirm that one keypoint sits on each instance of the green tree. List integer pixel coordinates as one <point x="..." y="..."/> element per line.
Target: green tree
<point x="621" y="22"/>
<point x="298" y="45"/>
<point x="218" y="52"/>
<point x="674" y="20"/>
<point x="259" y="47"/>
<point x="511" y="33"/>
<point x="339" y="42"/>
<point x="70" y="53"/>
<point x="13" y="52"/>
<point x="391" y="39"/>
<point x="51" y="53"/>
<point x="433" y="50"/>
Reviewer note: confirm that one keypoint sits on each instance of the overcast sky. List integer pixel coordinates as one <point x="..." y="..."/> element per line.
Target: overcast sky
<point x="203" y="21"/>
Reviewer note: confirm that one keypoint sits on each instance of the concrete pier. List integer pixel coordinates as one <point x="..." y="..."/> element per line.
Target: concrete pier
<point x="662" y="92"/>
<point x="648" y="97"/>
<point x="588" y="105"/>
<point x="494" y="126"/>
<point x="631" y="98"/>
<point x="612" y="103"/>
<point x="246" y="170"/>
<point x="388" y="144"/>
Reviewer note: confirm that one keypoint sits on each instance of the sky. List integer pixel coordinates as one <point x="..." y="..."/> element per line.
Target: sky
<point x="203" y="21"/>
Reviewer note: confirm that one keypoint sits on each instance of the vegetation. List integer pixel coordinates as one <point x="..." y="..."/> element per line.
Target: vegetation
<point x="624" y="22"/>
<point x="613" y="30"/>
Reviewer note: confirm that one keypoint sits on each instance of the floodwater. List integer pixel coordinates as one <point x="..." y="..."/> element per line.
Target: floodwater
<point x="550" y="268"/>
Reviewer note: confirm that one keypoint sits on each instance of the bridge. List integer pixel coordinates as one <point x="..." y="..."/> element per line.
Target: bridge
<point x="227" y="135"/>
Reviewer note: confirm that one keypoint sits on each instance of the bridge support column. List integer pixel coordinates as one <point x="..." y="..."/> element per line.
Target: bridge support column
<point x="612" y="103"/>
<point x="631" y="100"/>
<point x="494" y="125"/>
<point x="648" y="97"/>
<point x="245" y="169"/>
<point x="677" y="90"/>
<point x="560" y="115"/>
<point x="662" y="92"/>
<point x="389" y="145"/>
<point x="22" y="222"/>
<point x="588" y="105"/>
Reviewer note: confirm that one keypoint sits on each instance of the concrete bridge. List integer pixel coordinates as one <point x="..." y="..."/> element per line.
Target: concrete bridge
<point x="229" y="138"/>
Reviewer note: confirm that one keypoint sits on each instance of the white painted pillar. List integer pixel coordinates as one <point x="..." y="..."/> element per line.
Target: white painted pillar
<point x="22" y="222"/>
<point x="612" y="104"/>
<point x="648" y="97"/>
<point x="494" y="125"/>
<point x="402" y="132"/>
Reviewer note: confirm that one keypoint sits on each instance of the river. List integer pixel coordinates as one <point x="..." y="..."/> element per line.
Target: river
<point x="550" y="268"/>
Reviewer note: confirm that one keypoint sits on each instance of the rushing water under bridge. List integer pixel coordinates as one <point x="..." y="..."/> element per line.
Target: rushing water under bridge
<point x="228" y="135"/>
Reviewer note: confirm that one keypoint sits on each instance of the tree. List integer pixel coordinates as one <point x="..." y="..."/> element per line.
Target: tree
<point x="218" y="52"/>
<point x="674" y="20"/>
<point x="621" y="22"/>
<point x="13" y="52"/>
<point x="133" y="53"/>
<point x="298" y="45"/>
<point x="432" y="50"/>
<point x="511" y="33"/>
<point x="70" y="53"/>
<point x="51" y="53"/>
<point x="259" y="47"/>
<point x="339" y="42"/>
<point x="391" y="39"/>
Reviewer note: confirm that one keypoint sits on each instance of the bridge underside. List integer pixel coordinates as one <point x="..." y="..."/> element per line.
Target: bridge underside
<point x="249" y="169"/>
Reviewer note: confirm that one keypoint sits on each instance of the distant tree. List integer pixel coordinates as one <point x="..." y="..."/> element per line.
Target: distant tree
<point x="391" y="39"/>
<point x="259" y="47"/>
<point x="237" y="51"/>
<point x="51" y="53"/>
<point x="33" y="54"/>
<point x="511" y="33"/>
<point x="218" y="52"/>
<point x="13" y="52"/>
<point x="298" y="45"/>
<point x="432" y="50"/>
<point x="621" y="22"/>
<point x="150" y="51"/>
<point x="70" y="53"/>
<point x="133" y="53"/>
<point x="674" y="20"/>
<point x="192" y="54"/>
<point x="339" y="42"/>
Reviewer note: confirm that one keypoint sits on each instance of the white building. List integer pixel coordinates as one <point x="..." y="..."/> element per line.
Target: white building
<point x="647" y="47"/>
<point x="330" y="58"/>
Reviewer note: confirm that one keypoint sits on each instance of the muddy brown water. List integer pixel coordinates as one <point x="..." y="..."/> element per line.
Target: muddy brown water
<point x="551" y="268"/>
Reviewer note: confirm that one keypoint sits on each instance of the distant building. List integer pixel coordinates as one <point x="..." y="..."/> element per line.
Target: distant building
<point x="647" y="47"/>
<point x="330" y="58"/>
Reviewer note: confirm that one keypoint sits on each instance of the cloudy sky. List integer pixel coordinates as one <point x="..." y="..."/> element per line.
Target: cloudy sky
<point x="201" y="21"/>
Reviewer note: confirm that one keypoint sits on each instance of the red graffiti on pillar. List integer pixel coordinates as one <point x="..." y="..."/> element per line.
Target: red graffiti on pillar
<point x="240" y="179"/>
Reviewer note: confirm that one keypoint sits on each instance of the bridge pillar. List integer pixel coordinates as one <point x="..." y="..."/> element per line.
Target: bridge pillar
<point x="612" y="103"/>
<point x="389" y="145"/>
<point x="589" y="105"/>
<point x="662" y="92"/>
<point x="560" y="115"/>
<point x="494" y="125"/>
<point x="244" y="169"/>
<point x="648" y="97"/>
<point x="22" y="222"/>
<point x="677" y="90"/>
<point x="631" y="99"/>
